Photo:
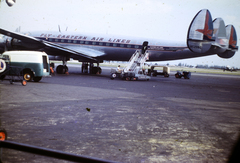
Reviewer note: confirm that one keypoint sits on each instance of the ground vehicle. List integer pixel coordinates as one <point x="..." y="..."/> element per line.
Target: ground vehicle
<point x="134" y="69"/>
<point x="34" y="64"/>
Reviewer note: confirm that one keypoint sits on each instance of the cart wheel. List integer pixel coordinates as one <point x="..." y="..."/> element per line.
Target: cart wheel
<point x="166" y="75"/>
<point x="3" y="135"/>
<point x="113" y="76"/>
<point x="24" y="82"/>
<point x="11" y="81"/>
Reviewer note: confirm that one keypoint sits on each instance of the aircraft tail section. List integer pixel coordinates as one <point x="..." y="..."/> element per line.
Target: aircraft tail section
<point x="207" y="36"/>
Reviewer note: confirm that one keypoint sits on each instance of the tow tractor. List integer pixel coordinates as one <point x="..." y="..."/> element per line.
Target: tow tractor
<point x="165" y="72"/>
<point x="134" y="70"/>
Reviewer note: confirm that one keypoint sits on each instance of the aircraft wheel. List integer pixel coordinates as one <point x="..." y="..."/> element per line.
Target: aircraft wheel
<point x="128" y="78"/>
<point x="65" y="69"/>
<point x="99" y="70"/>
<point x="62" y="69"/>
<point x="28" y="75"/>
<point x="59" y="69"/>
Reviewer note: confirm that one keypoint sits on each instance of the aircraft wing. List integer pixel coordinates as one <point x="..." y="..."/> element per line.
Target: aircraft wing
<point x="87" y="51"/>
<point x="31" y="43"/>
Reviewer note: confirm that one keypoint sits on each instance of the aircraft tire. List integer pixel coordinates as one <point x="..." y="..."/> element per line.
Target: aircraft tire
<point x="65" y="69"/>
<point x="59" y="69"/>
<point x="62" y="69"/>
<point x="99" y="70"/>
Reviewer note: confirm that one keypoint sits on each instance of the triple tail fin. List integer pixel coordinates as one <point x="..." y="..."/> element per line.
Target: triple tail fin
<point x="207" y="36"/>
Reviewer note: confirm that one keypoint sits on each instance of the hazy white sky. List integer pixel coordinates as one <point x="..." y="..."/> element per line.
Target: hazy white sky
<point x="159" y="19"/>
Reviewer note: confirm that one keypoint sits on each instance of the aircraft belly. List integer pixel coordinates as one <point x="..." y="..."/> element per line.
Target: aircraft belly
<point x="172" y="55"/>
<point x="117" y="54"/>
<point x="124" y="54"/>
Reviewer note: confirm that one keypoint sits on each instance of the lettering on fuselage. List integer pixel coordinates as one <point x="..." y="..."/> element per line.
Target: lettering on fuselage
<point x="101" y="41"/>
<point x="73" y="37"/>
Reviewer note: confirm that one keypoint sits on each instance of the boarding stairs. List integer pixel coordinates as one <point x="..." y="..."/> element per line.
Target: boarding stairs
<point x="136" y="62"/>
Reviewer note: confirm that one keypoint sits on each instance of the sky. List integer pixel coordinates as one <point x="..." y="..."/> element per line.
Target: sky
<point x="157" y="19"/>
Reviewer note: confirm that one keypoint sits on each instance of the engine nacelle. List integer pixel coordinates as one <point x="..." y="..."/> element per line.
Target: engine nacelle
<point x="211" y="37"/>
<point x="15" y="44"/>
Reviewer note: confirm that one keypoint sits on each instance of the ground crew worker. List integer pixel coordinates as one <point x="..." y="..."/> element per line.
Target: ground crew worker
<point x="118" y="69"/>
<point x="51" y="68"/>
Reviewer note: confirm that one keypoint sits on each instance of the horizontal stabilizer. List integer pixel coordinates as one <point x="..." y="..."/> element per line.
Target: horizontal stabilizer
<point x="207" y="36"/>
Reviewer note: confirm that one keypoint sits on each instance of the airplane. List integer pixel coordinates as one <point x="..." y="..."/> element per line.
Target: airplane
<point x="205" y="37"/>
<point x="228" y="68"/>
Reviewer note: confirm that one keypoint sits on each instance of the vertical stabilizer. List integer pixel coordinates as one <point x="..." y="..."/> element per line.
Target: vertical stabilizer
<point x="207" y="36"/>
<point x="200" y="32"/>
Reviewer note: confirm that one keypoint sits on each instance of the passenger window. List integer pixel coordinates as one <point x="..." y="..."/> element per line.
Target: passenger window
<point x="62" y="40"/>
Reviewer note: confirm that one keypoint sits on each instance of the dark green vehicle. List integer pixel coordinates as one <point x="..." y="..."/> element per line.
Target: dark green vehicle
<point x="35" y="65"/>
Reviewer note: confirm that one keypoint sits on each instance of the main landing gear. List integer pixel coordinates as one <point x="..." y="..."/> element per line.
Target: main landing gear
<point x="62" y="69"/>
<point x="86" y="68"/>
<point x="90" y="68"/>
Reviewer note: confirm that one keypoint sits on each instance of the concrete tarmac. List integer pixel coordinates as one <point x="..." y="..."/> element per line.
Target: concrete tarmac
<point x="161" y="120"/>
